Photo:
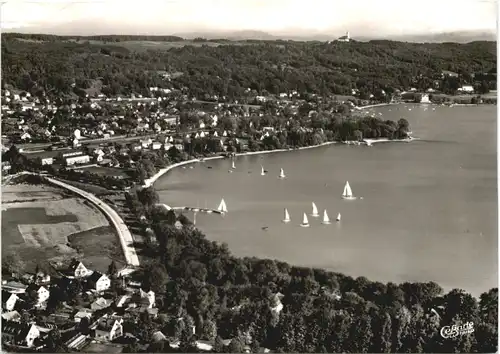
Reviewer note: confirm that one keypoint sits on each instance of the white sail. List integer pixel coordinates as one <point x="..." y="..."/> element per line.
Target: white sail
<point x="347" y="194"/>
<point x="305" y="222"/>
<point x="233" y="165"/>
<point x="326" y="219"/>
<point x="222" y="206"/>
<point x="287" y="216"/>
<point x="262" y="172"/>
<point x="338" y="217"/>
<point x="315" y="213"/>
<point x="282" y="174"/>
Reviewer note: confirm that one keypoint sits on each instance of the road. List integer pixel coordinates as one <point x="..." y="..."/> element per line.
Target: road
<point x="118" y="138"/>
<point x="124" y="234"/>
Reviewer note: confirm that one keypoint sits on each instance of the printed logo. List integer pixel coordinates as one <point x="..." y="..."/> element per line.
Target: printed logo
<point x="454" y="331"/>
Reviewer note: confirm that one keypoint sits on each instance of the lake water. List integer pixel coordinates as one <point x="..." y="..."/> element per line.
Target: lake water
<point x="429" y="208"/>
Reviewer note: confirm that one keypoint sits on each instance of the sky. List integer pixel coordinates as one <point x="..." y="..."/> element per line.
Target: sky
<point x="273" y="16"/>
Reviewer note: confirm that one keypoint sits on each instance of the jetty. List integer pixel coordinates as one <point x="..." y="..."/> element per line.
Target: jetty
<point x="193" y="209"/>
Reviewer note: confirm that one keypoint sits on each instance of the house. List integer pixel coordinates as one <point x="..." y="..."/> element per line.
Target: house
<point x="11" y="316"/>
<point x="9" y="300"/>
<point x="146" y="142"/>
<point x="345" y="38"/>
<point x="78" y="270"/>
<point x="76" y="143"/>
<point x="466" y="89"/>
<point x="25" y="136"/>
<point x="47" y="161"/>
<point x="100" y="304"/>
<point x="82" y="314"/>
<point x="77" y="134"/>
<point x="276" y="305"/>
<point x="135" y="147"/>
<point x="425" y="99"/>
<point x="156" y="145"/>
<point x="108" y="329"/>
<point x="14" y="287"/>
<point x="41" y="278"/>
<point x="74" y="160"/>
<point x="99" y="282"/>
<point x="42" y="294"/>
<point x="158" y="336"/>
<point x="21" y="334"/>
<point x="146" y="299"/>
<point x="6" y="166"/>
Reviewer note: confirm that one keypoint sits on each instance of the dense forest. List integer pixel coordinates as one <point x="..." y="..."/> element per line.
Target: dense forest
<point x="229" y="297"/>
<point x="58" y="65"/>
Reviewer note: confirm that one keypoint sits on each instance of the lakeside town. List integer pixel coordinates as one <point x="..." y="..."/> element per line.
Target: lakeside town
<point x="173" y="290"/>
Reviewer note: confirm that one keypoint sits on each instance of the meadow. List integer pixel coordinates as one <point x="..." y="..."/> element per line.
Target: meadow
<point x="44" y="225"/>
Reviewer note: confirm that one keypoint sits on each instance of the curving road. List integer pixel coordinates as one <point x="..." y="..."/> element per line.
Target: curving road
<point x="124" y="234"/>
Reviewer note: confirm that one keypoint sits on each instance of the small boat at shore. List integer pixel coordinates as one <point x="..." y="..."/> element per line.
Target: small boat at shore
<point x="338" y="217"/>
<point x="262" y="171"/>
<point x="282" y="174"/>
<point x="305" y="221"/>
<point x="222" y="207"/>
<point x="347" y="193"/>
<point x="287" y="217"/>
<point x="326" y="219"/>
<point x="314" y="213"/>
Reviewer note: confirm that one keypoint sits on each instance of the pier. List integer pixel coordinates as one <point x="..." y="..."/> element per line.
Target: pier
<point x="193" y="209"/>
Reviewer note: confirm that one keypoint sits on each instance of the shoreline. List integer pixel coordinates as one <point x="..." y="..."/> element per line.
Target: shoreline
<point x="367" y="142"/>
<point x="150" y="181"/>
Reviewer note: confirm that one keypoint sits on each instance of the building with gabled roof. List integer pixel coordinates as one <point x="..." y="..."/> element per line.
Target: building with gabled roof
<point x="21" y="334"/>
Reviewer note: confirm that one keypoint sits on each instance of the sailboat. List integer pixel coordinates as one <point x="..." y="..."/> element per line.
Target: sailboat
<point x="262" y="171"/>
<point x="347" y="194"/>
<point x="314" y="213"/>
<point x="287" y="216"/>
<point x="338" y="217"/>
<point x="326" y="219"/>
<point x="305" y="222"/>
<point x="282" y="174"/>
<point x="222" y="206"/>
<point x="233" y="166"/>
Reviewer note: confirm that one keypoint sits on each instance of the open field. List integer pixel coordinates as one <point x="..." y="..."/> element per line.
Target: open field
<point x="105" y="171"/>
<point x="99" y="247"/>
<point x="103" y="348"/>
<point x="154" y="45"/>
<point x="42" y="224"/>
<point x="27" y="192"/>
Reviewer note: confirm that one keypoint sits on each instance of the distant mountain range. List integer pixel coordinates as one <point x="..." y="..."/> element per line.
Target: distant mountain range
<point x="81" y="28"/>
<point x="457" y="37"/>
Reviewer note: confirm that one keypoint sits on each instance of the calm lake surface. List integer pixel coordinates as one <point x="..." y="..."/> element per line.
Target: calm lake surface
<point x="429" y="208"/>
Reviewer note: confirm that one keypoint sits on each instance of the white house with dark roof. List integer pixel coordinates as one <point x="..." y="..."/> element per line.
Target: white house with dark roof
<point x="100" y="304"/>
<point x="99" y="282"/>
<point x="15" y="333"/>
<point x="77" y="270"/>
<point x="43" y="293"/>
<point x="108" y="329"/>
<point x="9" y="300"/>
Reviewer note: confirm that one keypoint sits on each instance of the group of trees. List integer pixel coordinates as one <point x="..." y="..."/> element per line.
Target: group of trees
<point x="61" y="66"/>
<point x="228" y="297"/>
